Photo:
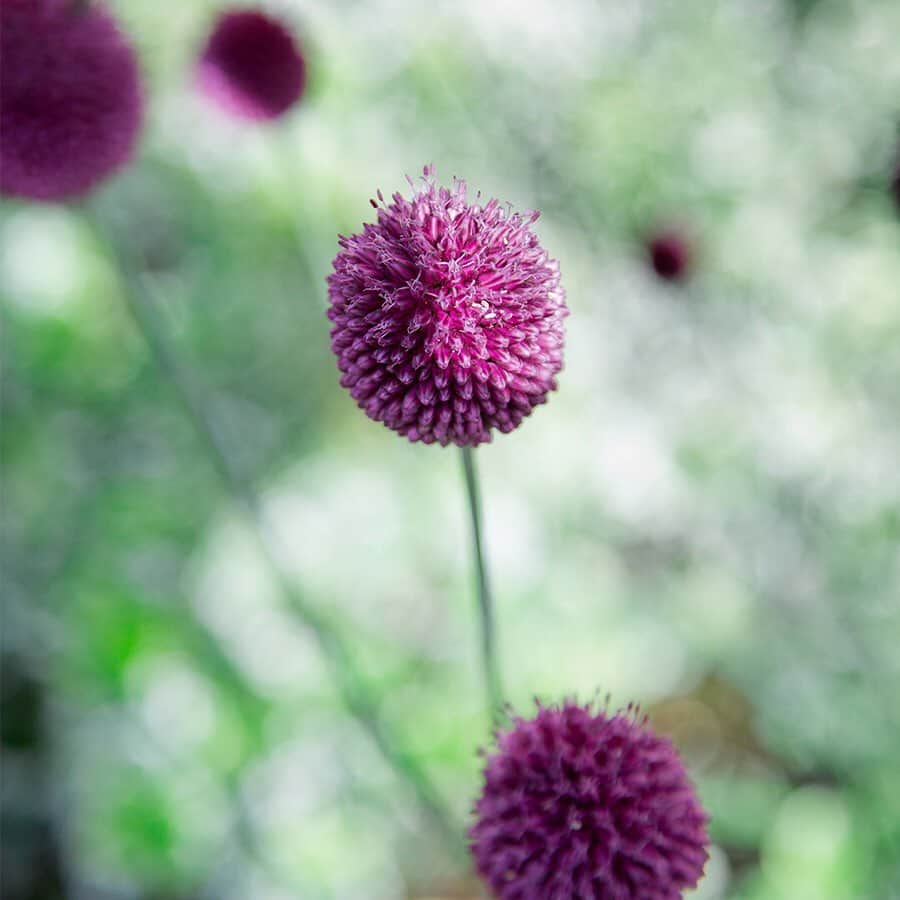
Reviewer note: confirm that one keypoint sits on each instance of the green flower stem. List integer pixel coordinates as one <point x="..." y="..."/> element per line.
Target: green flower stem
<point x="489" y="656"/>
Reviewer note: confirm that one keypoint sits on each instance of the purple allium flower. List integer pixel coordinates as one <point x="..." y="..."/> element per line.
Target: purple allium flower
<point x="251" y="65"/>
<point x="669" y="254"/>
<point x="447" y="316"/>
<point x="580" y="804"/>
<point x="70" y="98"/>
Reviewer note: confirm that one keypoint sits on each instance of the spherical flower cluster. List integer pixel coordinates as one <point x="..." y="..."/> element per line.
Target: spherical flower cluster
<point x="70" y="98"/>
<point x="447" y="316"/>
<point x="580" y="804"/>
<point x="251" y="66"/>
<point x="669" y="254"/>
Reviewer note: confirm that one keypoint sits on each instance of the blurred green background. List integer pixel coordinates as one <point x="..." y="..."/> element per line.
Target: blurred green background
<point x="704" y="519"/>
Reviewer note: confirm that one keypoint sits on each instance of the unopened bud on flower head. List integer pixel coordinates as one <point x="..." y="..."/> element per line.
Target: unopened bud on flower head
<point x="70" y="98"/>
<point x="252" y="66"/>
<point x="447" y="316"/>
<point x="669" y="253"/>
<point x="580" y="804"/>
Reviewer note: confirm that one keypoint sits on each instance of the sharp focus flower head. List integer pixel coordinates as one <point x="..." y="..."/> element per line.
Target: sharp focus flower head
<point x="578" y="803"/>
<point x="669" y="253"/>
<point x="252" y="66"/>
<point x="447" y="316"/>
<point x="70" y="98"/>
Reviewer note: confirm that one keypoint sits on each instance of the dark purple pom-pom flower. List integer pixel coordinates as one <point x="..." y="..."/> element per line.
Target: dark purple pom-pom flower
<point x="70" y="98"/>
<point x="580" y="804"/>
<point x="669" y="254"/>
<point x="447" y="316"/>
<point x="252" y="66"/>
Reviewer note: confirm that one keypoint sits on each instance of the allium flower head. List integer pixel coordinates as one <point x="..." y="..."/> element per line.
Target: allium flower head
<point x="580" y="804"/>
<point x="251" y="65"/>
<point x="70" y="98"/>
<point x="447" y="316"/>
<point x="669" y="254"/>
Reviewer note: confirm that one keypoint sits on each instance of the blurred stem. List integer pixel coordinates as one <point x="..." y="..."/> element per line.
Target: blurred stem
<point x="352" y="687"/>
<point x="489" y="656"/>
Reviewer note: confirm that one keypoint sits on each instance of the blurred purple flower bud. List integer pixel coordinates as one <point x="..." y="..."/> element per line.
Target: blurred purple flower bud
<point x="252" y="66"/>
<point x="70" y="98"/>
<point x="669" y="254"/>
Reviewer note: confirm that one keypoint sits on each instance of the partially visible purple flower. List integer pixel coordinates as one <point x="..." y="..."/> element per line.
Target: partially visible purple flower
<point x="669" y="253"/>
<point x="252" y="66"/>
<point x="70" y="98"/>
<point x="580" y="804"/>
<point x="447" y="316"/>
